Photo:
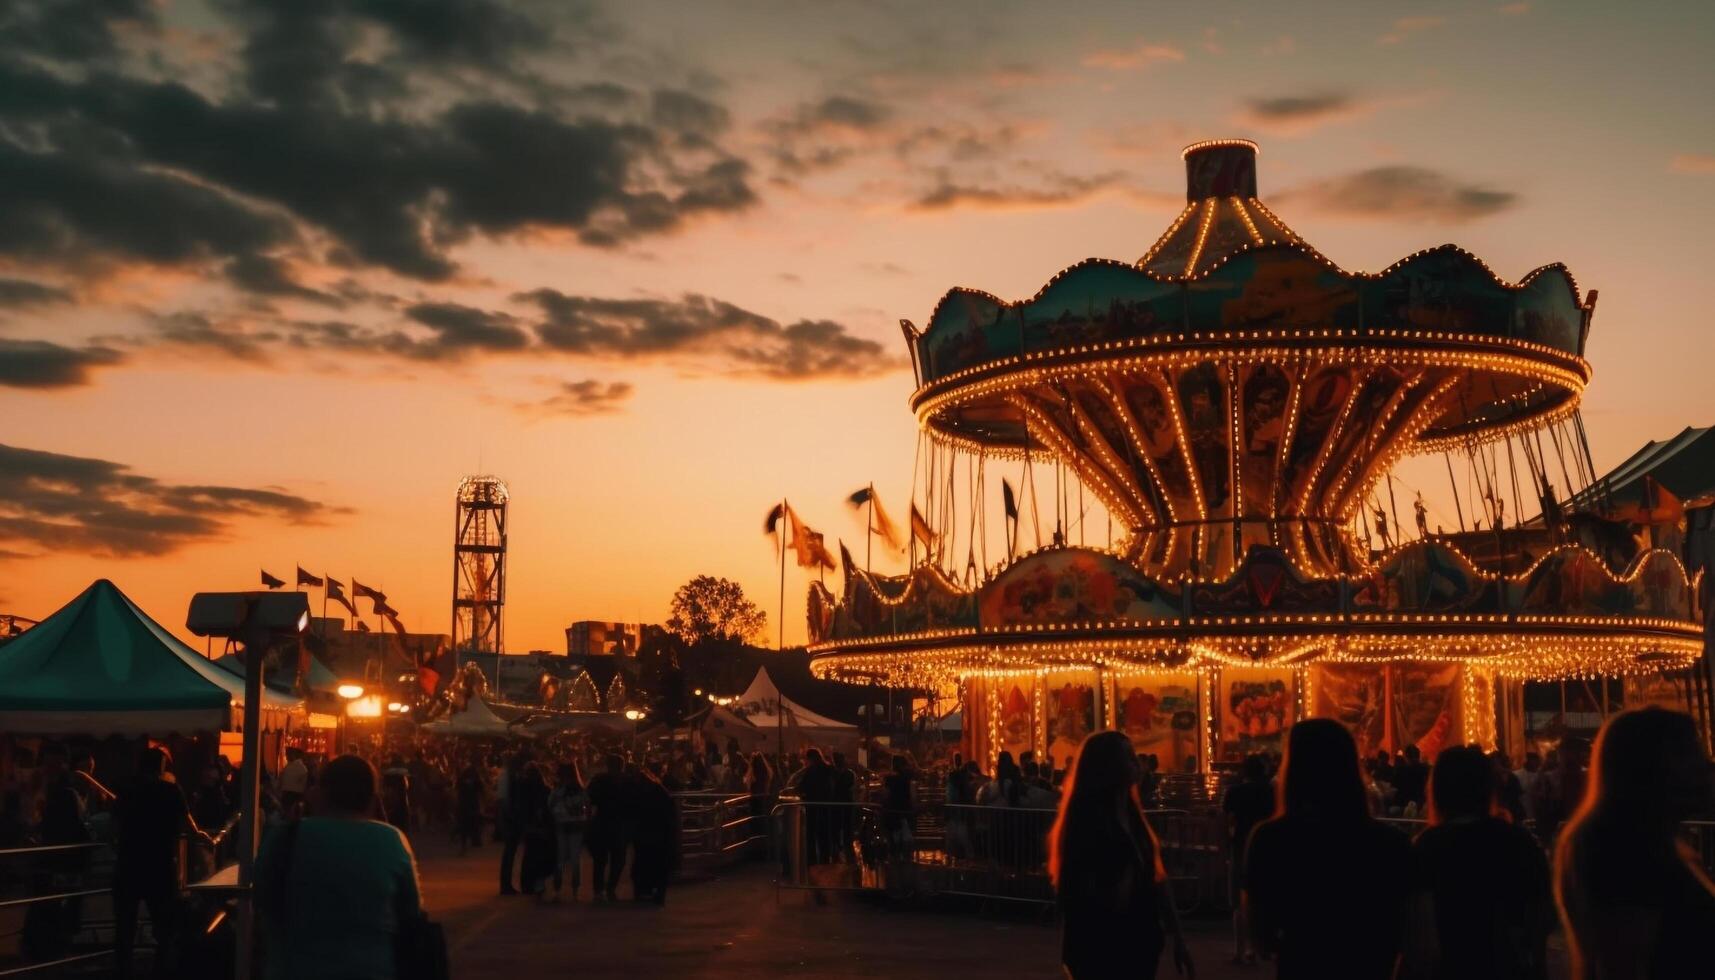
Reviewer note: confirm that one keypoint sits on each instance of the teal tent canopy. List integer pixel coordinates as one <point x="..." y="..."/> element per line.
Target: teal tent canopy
<point x="101" y="666"/>
<point x="321" y="678"/>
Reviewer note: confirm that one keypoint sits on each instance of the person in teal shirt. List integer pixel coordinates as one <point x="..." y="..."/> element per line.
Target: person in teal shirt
<point x="334" y="887"/>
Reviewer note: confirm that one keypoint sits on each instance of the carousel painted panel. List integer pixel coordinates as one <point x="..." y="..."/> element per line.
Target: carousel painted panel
<point x="1255" y="706"/>
<point x="1159" y="713"/>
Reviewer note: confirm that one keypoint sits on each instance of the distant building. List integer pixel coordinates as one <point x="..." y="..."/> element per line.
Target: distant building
<point x="598" y="638"/>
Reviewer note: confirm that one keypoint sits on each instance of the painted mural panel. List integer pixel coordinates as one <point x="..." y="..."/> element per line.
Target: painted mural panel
<point x="1069" y="713"/>
<point x="1423" y="577"/>
<point x="1546" y="312"/>
<point x="1159" y="714"/>
<point x="1319" y="405"/>
<point x="1148" y="405"/>
<point x="1015" y="715"/>
<point x="1355" y="695"/>
<point x="1274" y="288"/>
<point x="1068" y="585"/>
<point x="1668" y="689"/>
<point x="1426" y="705"/>
<point x="1264" y="389"/>
<point x="1098" y="302"/>
<point x="1255" y="708"/>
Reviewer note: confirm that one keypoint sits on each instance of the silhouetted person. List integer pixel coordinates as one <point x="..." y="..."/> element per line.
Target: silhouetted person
<point x="655" y="838"/>
<point x="1115" y="903"/>
<point x="335" y="888"/>
<point x="816" y="790"/>
<point x="507" y="820"/>
<point x="1248" y="802"/>
<point x="150" y="817"/>
<point x="467" y="808"/>
<point x="1509" y="791"/>
<point x="1560" y="788"/>
<point x="845" y="792"/>
<point x="1411" y="780"/>
<point x="609" y="817"/>
<point x="1633" y="902"/>
<point x="1325" y="883"/>
<point x="531" y="805"/>
<point x="1480" y="906"/>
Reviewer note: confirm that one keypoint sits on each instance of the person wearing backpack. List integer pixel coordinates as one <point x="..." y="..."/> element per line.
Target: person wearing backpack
<point x="570" y="807"/>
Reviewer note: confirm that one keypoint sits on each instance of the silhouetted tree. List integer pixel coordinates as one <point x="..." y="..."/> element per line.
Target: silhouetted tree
<point x="714" y="610"/>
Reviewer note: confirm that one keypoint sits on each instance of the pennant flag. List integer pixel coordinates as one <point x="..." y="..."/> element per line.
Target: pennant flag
<point x="362" y="627"/>
<point x="336" y="593"/>
<point x="381" y="607"/>
<point x="270" y="581"/>
<point x="361" y="591"/>
<point x="393" y="617"/>
<point x="819" y="556"/>
<point x="1008" y="499"/>
<point x="920" y="529"/>
<point x="808" y="544"/>
<point x="880" y="523"/>
<point x="305" y="578"/>
<point x="771" y="524"/>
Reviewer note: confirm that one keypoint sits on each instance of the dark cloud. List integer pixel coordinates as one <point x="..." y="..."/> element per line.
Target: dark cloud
<point x="586" y="397"/>
<point x="21" y="293"/>
<point x="1400" y="193"/>
<point x="73" y="30"/>
<point x="1046" y="190"/>
<point x="461" y="328"/>
<point x="320" y="139"/>
<point x="264" y="275"/>
<point x="698" y="329"/>
<point x="60" y="503"/>
<point x="1295" y="107"/>
<point x="41" y="364"/>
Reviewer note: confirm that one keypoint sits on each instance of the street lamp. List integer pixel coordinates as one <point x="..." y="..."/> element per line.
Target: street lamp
<point x="255" y="620"/>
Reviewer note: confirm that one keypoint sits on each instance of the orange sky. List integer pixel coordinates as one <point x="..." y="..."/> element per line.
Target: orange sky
<point x="892" y="153"/>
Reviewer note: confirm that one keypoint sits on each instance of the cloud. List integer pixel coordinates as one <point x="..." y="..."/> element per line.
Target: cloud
<point x="700" y="331"/>
<point x="42" y="364"/>
<point x="59" y="503"/>
<point x="581" y="398"/>
<point x="354" y="132"/>
<point x="1407" y="26"/>
<point x="1296" y="114"/>
<point x="460" y="328"/>
<point x="1401" y="193"/>
<point x="21" y="293"/>
<point x="1135" y="58"/>
<point x="1513" y="9"/>
<point x="1142" y="139"/>
<point x="1050" y="190"/>
<point x="1692" y="163"/>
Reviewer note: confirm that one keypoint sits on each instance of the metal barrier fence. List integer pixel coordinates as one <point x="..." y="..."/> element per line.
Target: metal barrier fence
<point x="720" y="825"/>
<point x="57" y="884"/>
<point x="988" y="852"/>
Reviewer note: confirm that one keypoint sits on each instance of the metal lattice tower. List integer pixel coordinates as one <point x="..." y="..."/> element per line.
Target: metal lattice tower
<point x="479" y="564"/>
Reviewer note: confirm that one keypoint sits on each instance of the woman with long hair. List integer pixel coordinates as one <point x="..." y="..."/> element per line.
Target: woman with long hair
<point x="1633" y="902"/>
<point x="1480" y="907"/>
<point x="1325" y="883"/>
<point x="1115" y="903"/>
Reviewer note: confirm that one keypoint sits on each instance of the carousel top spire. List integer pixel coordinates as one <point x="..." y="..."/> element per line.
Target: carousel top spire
<point x="1222" y="214"/>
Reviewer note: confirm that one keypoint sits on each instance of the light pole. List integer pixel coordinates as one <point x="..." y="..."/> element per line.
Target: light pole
<point x="256" y="620"/>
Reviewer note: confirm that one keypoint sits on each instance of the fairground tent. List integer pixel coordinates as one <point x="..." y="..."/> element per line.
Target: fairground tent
<point x="101" y="666"/>
<point x="781" y="718"/>
<point x="477" y="720"/>
<point x="321" y="680"/>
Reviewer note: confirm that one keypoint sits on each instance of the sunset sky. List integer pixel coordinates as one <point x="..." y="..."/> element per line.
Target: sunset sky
<point x="276" y="274"/>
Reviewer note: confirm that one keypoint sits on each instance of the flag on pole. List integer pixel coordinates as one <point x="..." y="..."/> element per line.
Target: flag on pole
<point x="383" y="609"/>
<point x="361" y="591"/>
<point x="362" y="627"/>
<point x="305" y="578"/>
<point x="880" y="523"/>
<point x="808" y="544"/>
<point x="336" y="593"/>
<point x="1008" y="499"/>
<point x="270" y="581"/>
<point x="921" y="531"/>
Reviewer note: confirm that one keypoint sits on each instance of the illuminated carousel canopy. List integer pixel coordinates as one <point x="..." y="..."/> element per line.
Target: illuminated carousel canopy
<point x="1232" y="399"/>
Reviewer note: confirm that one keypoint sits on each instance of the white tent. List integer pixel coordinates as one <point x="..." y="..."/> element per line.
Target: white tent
<point x="762" y="703"/>
<point x="477" y="720"/>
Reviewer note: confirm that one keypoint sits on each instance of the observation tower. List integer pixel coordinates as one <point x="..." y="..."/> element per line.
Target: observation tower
<point x="1235" y="403"/>
<point x="479" y="564"/>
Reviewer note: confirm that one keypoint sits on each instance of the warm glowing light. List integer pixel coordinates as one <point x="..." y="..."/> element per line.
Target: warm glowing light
<point x="350" y="691"/>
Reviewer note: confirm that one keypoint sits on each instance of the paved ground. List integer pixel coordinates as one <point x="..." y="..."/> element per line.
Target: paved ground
<point x="732" y="925"/>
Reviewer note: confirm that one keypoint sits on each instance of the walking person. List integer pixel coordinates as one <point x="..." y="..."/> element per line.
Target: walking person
<point x="507" y="823"/>
<point x="1248" y="802"/>
<point x="609" y="815"/>
<point x="569" y="805"/>
<point x="1325" y="883"/>
<point x="1480" y="906"/>
<point x="1634" y="903"/>
<point x="336" y="889"/>
<point x="151" y="815"/>
<point x="467" y="808"/>
<point x="1105" y="862"/>
<point x="396" y="793"/>
<point x="530" y="803"/>
<point x="655" y="837"/>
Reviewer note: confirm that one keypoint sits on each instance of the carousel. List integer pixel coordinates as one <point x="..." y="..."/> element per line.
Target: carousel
<point x="1217" y="425"/>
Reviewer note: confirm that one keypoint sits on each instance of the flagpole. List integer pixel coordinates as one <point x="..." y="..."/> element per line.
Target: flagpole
<point x="869" y="528"/>
<point x="785" y="522"/>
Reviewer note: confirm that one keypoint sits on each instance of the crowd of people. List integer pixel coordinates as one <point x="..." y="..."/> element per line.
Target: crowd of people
<point x="1327" y="888"/>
